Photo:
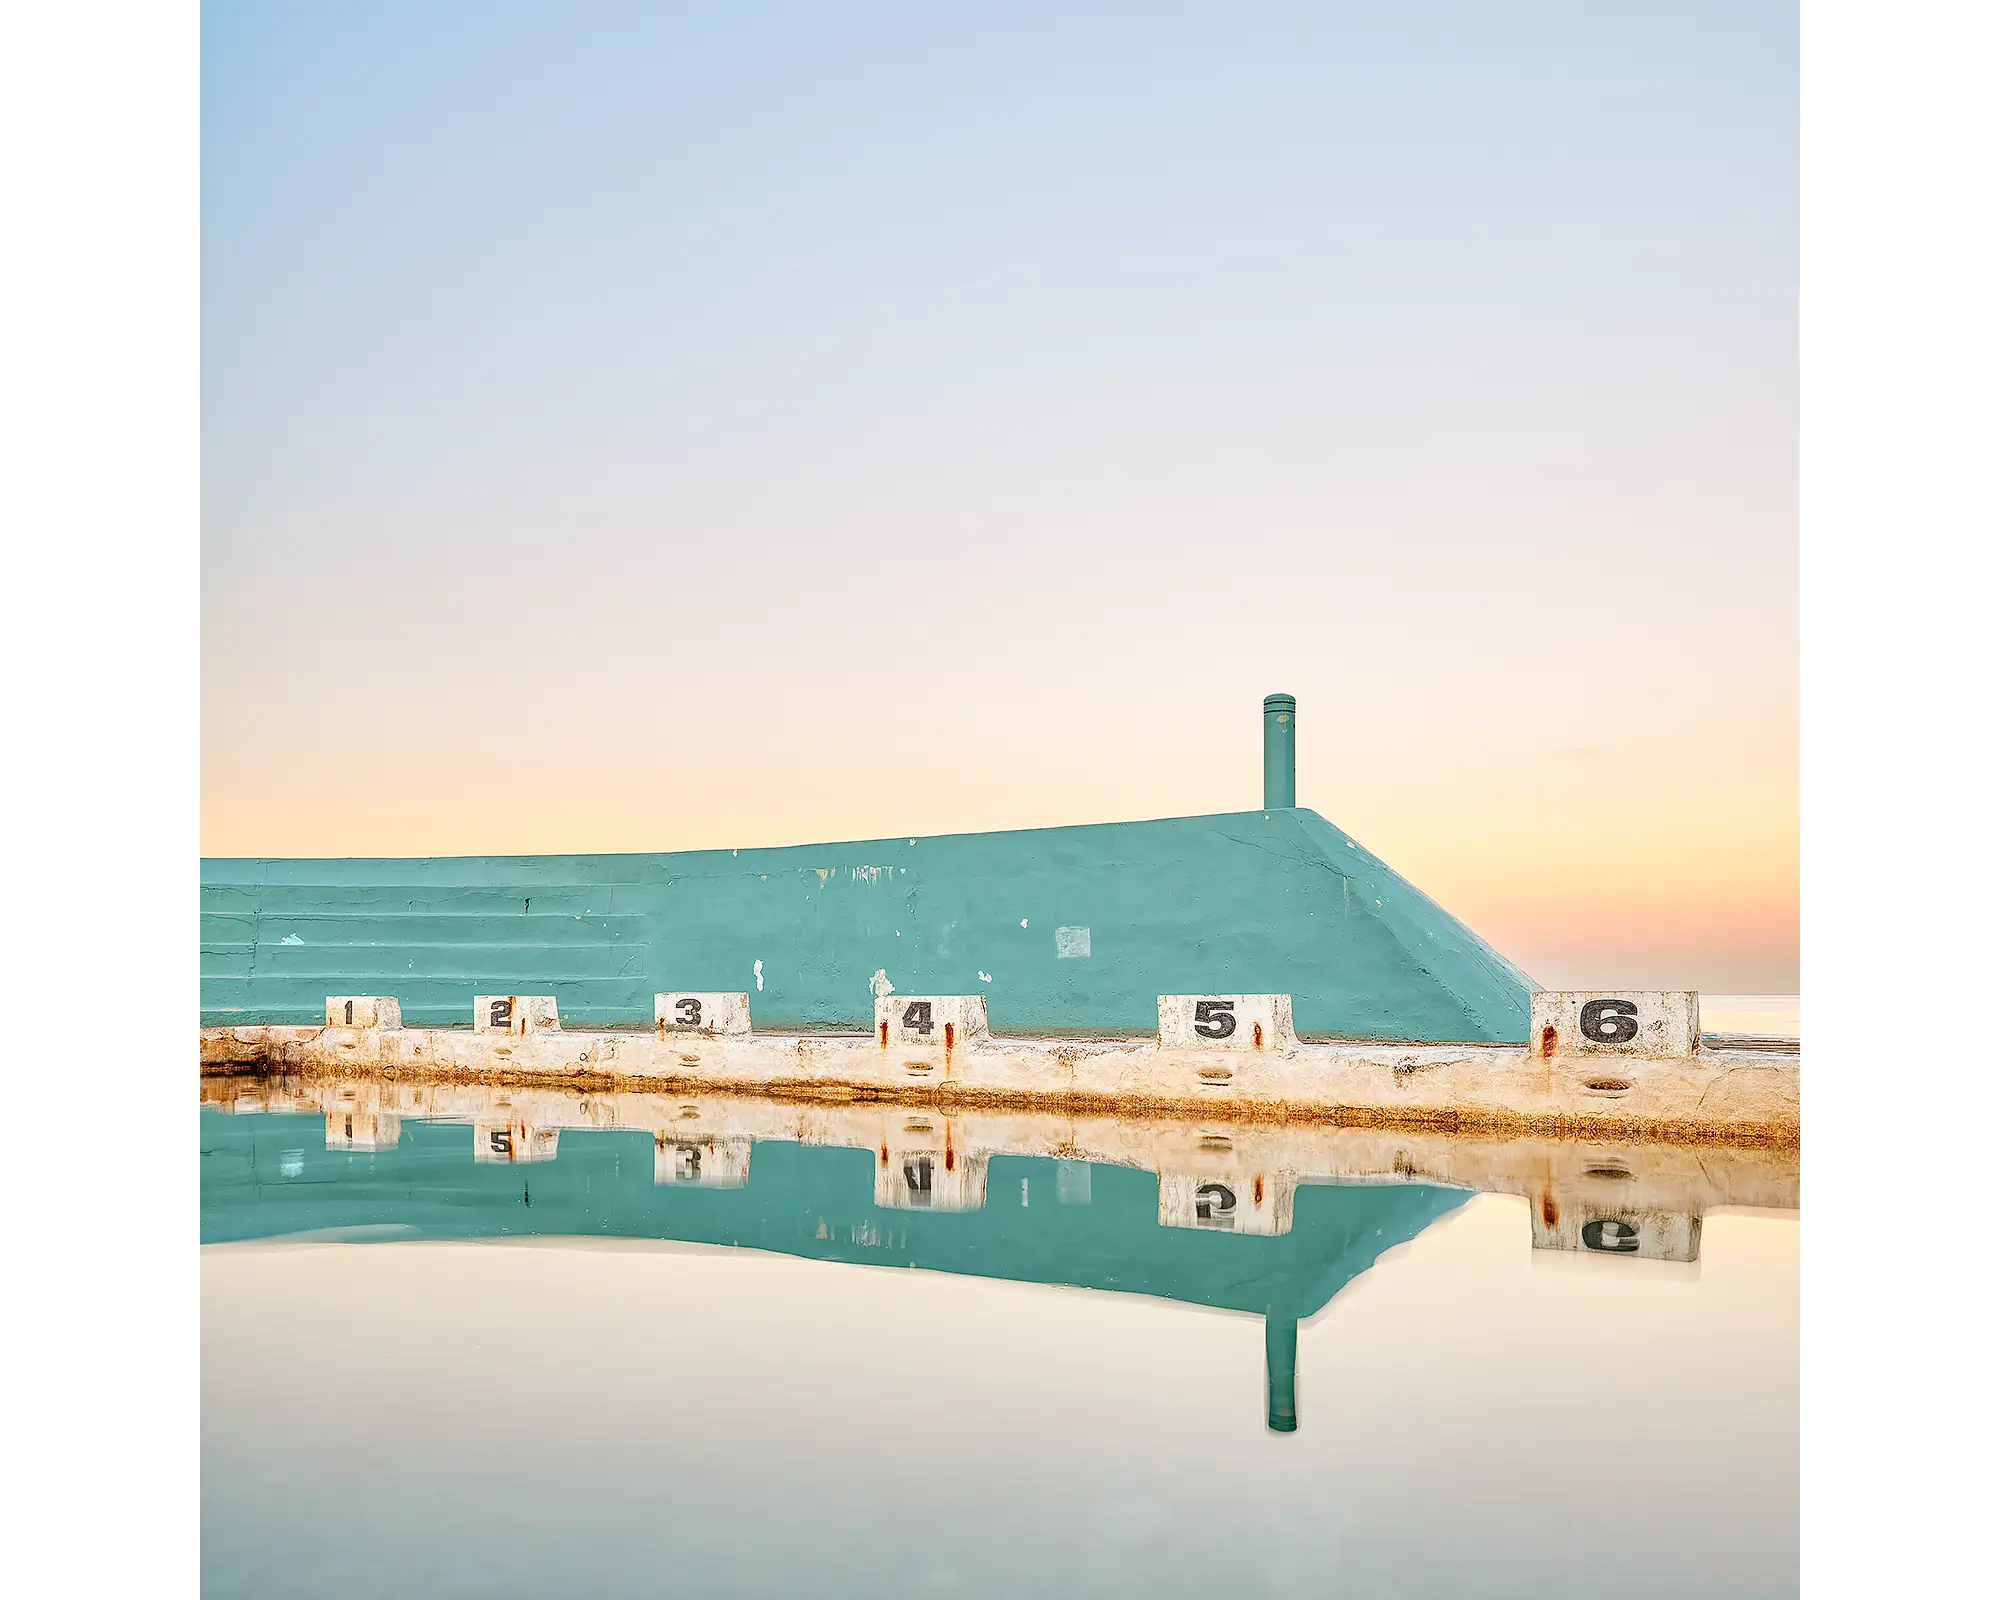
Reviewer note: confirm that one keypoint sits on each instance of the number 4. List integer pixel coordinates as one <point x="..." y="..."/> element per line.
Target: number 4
<point x="917" y="1016"/>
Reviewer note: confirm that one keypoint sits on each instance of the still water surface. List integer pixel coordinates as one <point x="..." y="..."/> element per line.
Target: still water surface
<point x="654" y="1347"/>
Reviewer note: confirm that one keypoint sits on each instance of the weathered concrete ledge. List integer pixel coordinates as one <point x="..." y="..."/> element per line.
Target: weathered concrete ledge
<point x="1708" y="1096"/>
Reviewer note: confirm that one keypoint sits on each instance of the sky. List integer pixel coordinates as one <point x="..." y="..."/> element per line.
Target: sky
<point x="655" y="427"/>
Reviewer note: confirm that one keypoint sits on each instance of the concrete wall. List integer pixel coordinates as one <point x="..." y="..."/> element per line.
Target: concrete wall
<point x="1060" y="928"/>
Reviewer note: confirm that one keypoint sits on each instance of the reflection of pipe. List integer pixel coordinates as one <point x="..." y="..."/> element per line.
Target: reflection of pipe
<point x="1281" y="1372"/>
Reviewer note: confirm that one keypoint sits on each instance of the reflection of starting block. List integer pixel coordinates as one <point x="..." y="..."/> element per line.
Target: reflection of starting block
<point x="1231" y="1203"/>
<point x="930" y="1180"/>
<point x="1649" y="1233"/>
<point x="512" y="1141"/>
<point x="363" y="1130"/>
<point x="707" y="1163"/>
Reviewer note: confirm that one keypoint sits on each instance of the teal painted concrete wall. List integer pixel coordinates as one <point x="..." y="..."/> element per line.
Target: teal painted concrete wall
<point x="1244" y="902"/>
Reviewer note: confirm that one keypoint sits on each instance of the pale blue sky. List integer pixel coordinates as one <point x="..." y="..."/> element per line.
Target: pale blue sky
<point x="1050" y="381"/>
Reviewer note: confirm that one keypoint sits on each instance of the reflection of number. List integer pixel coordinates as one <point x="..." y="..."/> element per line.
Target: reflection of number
<point x="689" y="1161"/>
<point x="690" y="1013"/>
<point x="917" y="1016"/>
<point x="500" y="1142"/>
<point x="1214" y="1202"/>
<point x="1620" y="1238"/>
<point x="500" y="1013"/>
<point x="1610" y="1021"/>
<point x="917" y="1174"/>
<point x="1215" y="1019"/>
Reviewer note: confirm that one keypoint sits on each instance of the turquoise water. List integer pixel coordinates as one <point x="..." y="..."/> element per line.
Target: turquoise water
<point x="592" y="1364"/>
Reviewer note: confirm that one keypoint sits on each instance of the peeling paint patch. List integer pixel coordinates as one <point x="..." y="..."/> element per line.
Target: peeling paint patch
<point x="758" y="969"/>
<point x="1024" y="922"/>
<point x="880" y="985"/>
<point x="293" y="938"/>
<point x="1072" y="944"/>
<point x="986" y="977"/>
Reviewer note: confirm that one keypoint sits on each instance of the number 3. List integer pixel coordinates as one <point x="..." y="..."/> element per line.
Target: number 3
<point x="690" y="1013"/>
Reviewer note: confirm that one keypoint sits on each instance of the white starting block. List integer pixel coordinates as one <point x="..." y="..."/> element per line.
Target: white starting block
<point x="512" y="1142"/>
<point x="1255" y="1203"/>
<point x="701" y="1163"/>
<point x="363" y="1011"/>
<point x="1226" y="1022"/>
<point x="944" y="1020"/>
<point x="686" y="1012"/>
<point x="1657" y="1025"/>
<point x="515" y="1013"/>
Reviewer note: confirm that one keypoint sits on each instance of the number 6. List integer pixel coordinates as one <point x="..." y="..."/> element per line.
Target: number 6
<point x="1610" y="1021"/>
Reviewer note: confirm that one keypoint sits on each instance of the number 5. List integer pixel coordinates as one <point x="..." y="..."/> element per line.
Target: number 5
<point x="1215" y="1019"/>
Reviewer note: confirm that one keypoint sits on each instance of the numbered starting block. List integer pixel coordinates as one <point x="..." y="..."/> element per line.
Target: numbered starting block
<point x="1257" y="1203"/>
<point x="705" y="1015"/>
<point x="513" y="1142"/>
<point x="1656" y="1025"/>
<point x="363" y="1011"/>
<point x="1226" y="1022"/>
<point x="363" y="1130"/>
<point x="701" y="1163"/>
<point x="515" y="1013"/>
<point x="943" y="1020"/>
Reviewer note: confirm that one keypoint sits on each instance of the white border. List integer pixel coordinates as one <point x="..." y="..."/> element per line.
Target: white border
<point x="100" y="473"/>
<point x="1899" y="435"/>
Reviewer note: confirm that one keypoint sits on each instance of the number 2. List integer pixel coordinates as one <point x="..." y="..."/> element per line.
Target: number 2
<point x="500" y="1013"/>
<point x="1215" y="1019"/>
<point x="917" y="1016"/>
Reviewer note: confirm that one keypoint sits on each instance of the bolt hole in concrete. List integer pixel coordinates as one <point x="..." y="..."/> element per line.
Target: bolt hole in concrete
<point x="1606" y="1085"/>
<point x="1264" y="1338"/>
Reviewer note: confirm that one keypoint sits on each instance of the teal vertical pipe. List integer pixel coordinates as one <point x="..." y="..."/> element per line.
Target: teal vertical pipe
<point x="1281" y="1371"/>
<point x="1281" y="739"/>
